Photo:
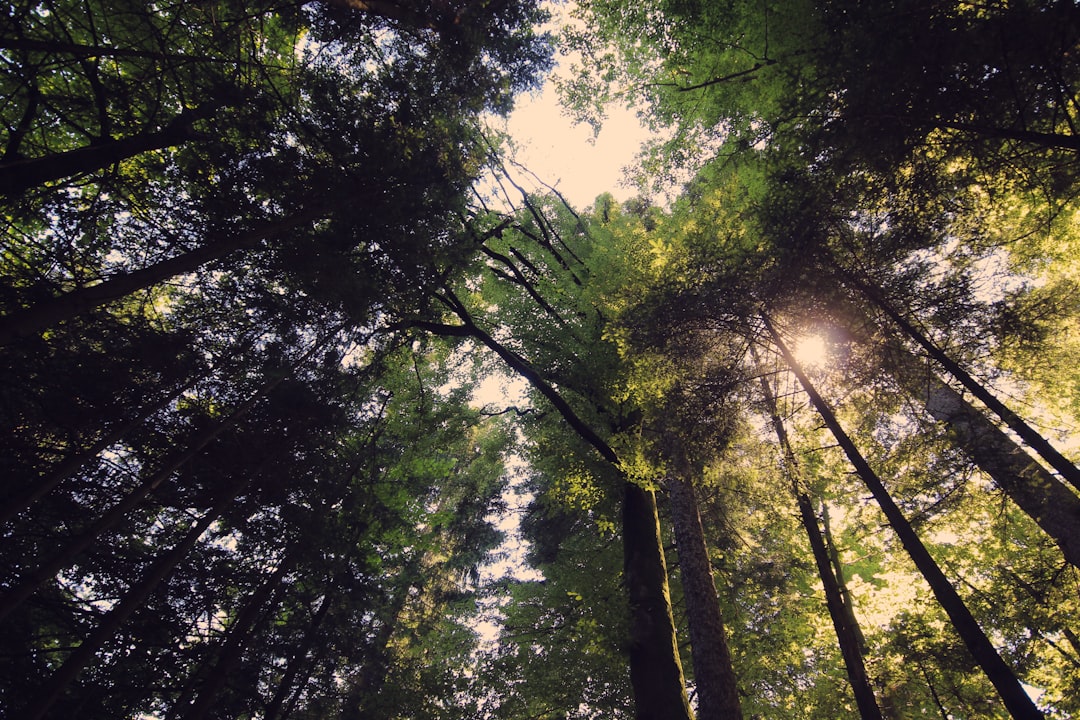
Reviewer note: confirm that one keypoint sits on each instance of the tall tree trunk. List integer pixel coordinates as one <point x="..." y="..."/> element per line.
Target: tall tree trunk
<point x="67" y="555"/>
<point x="297" y="662"/>
<point x="848" y="635"/>
<point x="1012" y="693"/>
<point x="714" y="675"/>
<point x="1047" y="501"/>
<point x="17" y="176"/>
<point x="75" y="663"/>
<point x="364" y="692"/>
<point x="71" y="304"/>
<point x="1034" y="440"/>
<point x="847" y="630"/>
<point x="934" y="694"/>
<point x="1048" y="140"/>
<point x="655" y="668"/>
<point x="79" y="50"/>
<point x="841" y="582"/>
<point x="69" y="465"/>
<point x="238" y="635"/>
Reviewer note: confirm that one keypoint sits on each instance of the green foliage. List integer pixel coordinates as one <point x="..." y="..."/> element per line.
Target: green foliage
<point x="560" y="650"/>
<point x="312" y="165"/>
<point x="254" y="193"/>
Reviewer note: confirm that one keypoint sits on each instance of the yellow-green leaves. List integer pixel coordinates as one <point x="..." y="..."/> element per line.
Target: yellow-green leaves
<point x="577" y="488"/>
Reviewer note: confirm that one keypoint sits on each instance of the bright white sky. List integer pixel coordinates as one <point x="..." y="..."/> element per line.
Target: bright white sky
<point x="580" y="167"/>
<point x="566" y="156"/>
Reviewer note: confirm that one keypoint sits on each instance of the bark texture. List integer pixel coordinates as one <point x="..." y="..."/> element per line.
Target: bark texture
<point x="656" y="672"/>
<point x="714" y="675"/>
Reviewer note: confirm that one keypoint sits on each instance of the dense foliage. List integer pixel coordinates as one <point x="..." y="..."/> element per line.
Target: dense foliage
<point x="231" y="490"/>
<point x="257" y="261"/>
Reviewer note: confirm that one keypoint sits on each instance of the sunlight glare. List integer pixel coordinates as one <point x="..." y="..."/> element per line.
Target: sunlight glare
<point x="812" y="351"/>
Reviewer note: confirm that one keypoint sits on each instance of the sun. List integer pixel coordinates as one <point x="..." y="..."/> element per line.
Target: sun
<point x="812" y="351"/>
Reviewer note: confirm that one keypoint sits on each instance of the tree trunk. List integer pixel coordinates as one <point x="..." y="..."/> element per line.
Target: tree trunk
<point x="655" y="668"/>
<point x="71" y="304"/>
<point x="58" y="47"/>
<point x="934" y="694"/>
<point x="1047" y="140"/>
<point x="1052" y="505"/>
<point x="1012" y="693"/>
<point x="297" y="662"/>
<point x="364" y="691"/>
<point x="67" y="555"/>
<point x="1029" y="435"/>
<point x="847" y="632"/>
<point x="17" y="176"/>
<point x="44" y="699"/>
<point x="848" y="635"/>
<point x="656" y="673"/>
<point x="67" y="467"/>
<point x="841" y="582"/>
<point x="239" y="634"/>
<point x="714" y="675"/>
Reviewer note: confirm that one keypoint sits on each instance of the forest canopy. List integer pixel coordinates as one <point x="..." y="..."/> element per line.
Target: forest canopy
<point x="800" y="428"/>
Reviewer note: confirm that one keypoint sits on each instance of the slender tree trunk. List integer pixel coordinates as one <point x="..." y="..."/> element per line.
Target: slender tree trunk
<point x="848" y="635"/>
<point x="17" y="176"/>
<point x="297" y="662"/>
<point x="714" y="675"/>
<point x="655" y="668"/>
<point x="1050" y="140"/>
<point x="1012" y="693"/>
<point x="67" y="555"/>
<point x="53" y="690"/>
<point x="1074" y="641"/>
<point x="933" y="694"/>
<point x="1047" y="501"/>
<point x="1031" y="137"/>
<point x="841" y="582"/>
<point x="843" y="616"/>
<point x="1029" y="435"/>
<point x="71" y="304"/>
<point x="78" y="50"/>
<point x="239" y="634"/>
<point x="68" y="466"/>
<point x="364" y="693"/>
<point x="290" y="707"/>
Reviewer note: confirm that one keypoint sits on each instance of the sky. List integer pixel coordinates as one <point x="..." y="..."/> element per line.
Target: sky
<point x="566" y="155"/>
<point x="579" y="165"/>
